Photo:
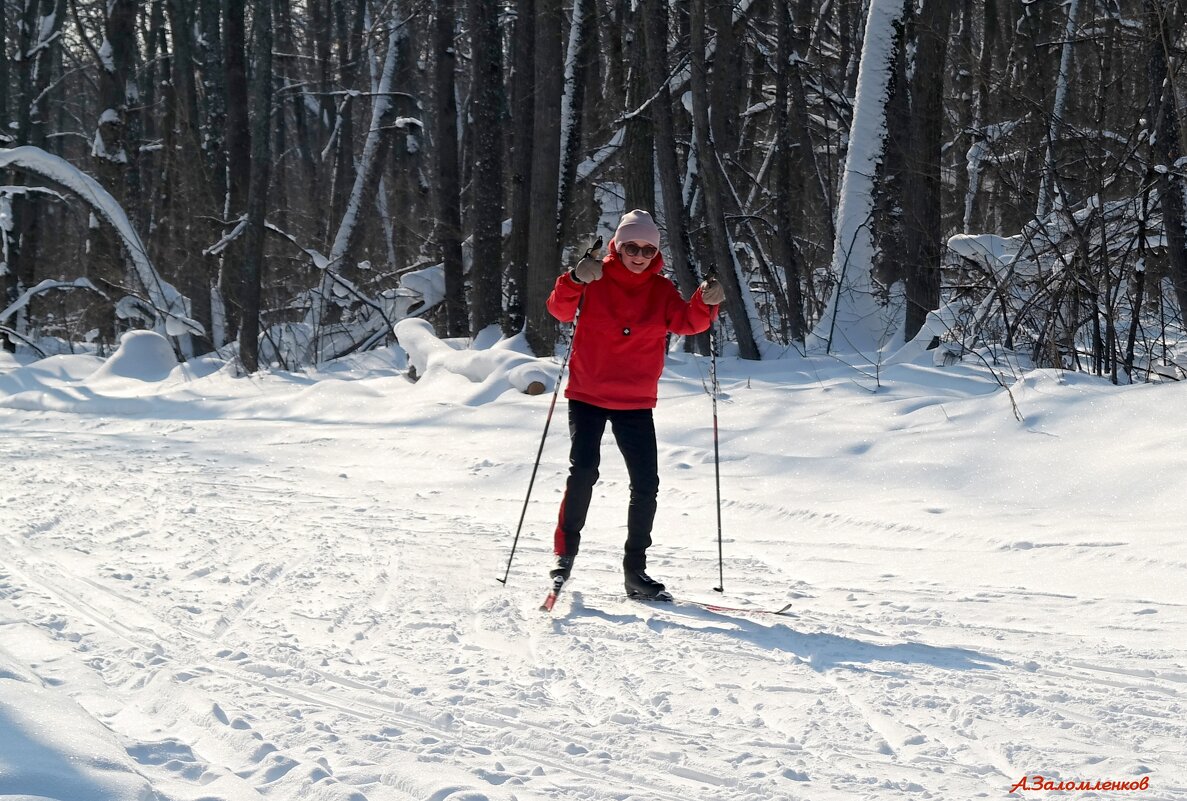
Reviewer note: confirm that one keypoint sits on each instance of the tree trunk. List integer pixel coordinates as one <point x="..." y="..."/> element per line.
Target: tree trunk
<point x="239" y="146"/>
<point x="789" y="164"/>
<point x="349" y="30"/>
<point x="543" y="247"/>
<point x="111" y="153"/>
<point x="486" y="188"/>
<point x="655" y="23"/>
<point x="1048" y="188"/>
<point x="713" y="189"/>
<point x="410" y="187"/>
<point x="449" y="216"/>
<point x="523" y="91"/>
<point x="7" y="242"/>
<point x="257" y="195"/>
<point x="1167" y="147"/>
<point x="852" y="319"/>
<point x="214" y="91"/>
<point x="981" y="107"/>
<point x="639" y="143"/>
<point x="726" y="79"/>
<point x="921" y="200"/>
<point x="37" y="34"/>
<point x="581" y="40"/>
<point x="5" y="136"/>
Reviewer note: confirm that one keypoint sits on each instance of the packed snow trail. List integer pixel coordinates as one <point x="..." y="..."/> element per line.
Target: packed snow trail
<point x="286" y="588"/>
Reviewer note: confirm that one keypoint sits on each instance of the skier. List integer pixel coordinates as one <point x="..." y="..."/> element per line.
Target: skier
<point x="627" y="309"/>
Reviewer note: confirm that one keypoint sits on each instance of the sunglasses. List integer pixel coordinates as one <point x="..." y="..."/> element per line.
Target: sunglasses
<point x="633" y="250"/>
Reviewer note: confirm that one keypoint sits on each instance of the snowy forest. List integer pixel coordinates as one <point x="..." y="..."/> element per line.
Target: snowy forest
<point x="286" y="180"/>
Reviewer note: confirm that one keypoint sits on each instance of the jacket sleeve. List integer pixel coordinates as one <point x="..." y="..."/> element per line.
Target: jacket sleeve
<point x="562" y="303"/>
<point x="691" y="317"/>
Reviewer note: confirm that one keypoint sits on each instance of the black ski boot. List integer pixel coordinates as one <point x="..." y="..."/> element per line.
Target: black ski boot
<point x="562" y="568"/>
<point x="641" y="585"/>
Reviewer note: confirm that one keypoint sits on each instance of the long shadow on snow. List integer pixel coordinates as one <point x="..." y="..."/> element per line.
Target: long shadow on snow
<point x="821" y="651"/>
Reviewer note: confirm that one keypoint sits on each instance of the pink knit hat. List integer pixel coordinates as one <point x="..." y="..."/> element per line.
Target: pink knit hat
<point x="637" y="226"/>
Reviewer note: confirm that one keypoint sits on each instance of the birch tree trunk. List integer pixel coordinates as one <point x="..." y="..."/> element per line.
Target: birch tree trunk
<point x="852" y="319"/>
<point x="1048" y="188"/>
<point x="581" y="34"/>
<point x="981" y="109"/>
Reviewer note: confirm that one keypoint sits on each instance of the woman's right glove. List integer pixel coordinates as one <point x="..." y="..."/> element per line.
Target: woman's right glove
<point x="587" y="270"/>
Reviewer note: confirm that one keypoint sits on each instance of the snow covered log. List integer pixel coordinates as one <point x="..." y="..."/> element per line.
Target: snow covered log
<point x="502" y="362"/>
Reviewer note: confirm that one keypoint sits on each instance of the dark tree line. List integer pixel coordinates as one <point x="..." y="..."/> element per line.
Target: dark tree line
<point x="305" y="173"/>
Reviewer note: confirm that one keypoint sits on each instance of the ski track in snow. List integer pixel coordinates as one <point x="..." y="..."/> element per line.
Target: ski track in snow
<point x="295" y="612"/>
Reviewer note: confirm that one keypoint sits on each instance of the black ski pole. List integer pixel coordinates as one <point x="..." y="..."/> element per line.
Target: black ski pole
<point x="548" y="421"/>
<point x="716" y="455"/>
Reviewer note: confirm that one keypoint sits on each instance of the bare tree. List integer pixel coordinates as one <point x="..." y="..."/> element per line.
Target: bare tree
<point x="523" y="112"/>
<point x="486" y="186"/>
<point x="449" y="217"/>
<point x="1167" y="143"/>
<point x="712" y="183"/>
<point x="257" y="194"/>
<point x="543" y="246"/>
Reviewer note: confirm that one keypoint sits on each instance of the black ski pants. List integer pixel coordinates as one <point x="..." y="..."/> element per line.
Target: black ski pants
<point x="634" y="430"/>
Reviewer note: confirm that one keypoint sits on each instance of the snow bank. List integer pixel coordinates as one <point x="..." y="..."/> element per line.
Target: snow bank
<point x="52" y="749"/>
<point x="51" y="371"/>
<point x="505" y="365"/>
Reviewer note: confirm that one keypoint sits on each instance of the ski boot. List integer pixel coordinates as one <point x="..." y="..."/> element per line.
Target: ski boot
<point x="640" y="585"/>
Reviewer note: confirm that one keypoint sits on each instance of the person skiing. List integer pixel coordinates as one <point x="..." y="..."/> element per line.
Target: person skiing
<point x="627" y="309"/>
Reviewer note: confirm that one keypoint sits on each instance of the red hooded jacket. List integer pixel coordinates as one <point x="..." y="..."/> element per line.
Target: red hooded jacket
<point x="618" y="352"/>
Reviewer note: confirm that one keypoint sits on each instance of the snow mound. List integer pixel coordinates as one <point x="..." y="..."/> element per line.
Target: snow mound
<point x="141" y="356"/>
<point x="502" y="366"/>
<point x="53" y="371"/>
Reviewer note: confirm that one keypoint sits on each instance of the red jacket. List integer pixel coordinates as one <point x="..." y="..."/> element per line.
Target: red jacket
<point x="618" y="352"/>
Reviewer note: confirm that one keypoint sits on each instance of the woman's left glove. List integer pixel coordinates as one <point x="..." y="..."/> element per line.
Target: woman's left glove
<point x="587" y="270"/>
<point x="712" y="292"/>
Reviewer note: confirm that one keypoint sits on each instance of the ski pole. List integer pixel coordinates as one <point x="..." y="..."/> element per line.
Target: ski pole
<point x="716" y="455"/>
<point x="548" y="420"/>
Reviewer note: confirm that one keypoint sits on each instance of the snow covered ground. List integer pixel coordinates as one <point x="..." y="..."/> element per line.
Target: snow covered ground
<point x="285" y="587"/>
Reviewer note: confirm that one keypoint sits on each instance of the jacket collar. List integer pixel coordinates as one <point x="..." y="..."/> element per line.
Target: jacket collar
<point x="620" y="274"/>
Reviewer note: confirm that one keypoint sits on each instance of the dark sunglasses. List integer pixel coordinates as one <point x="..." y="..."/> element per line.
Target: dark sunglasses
<point x="633" y="250"/>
